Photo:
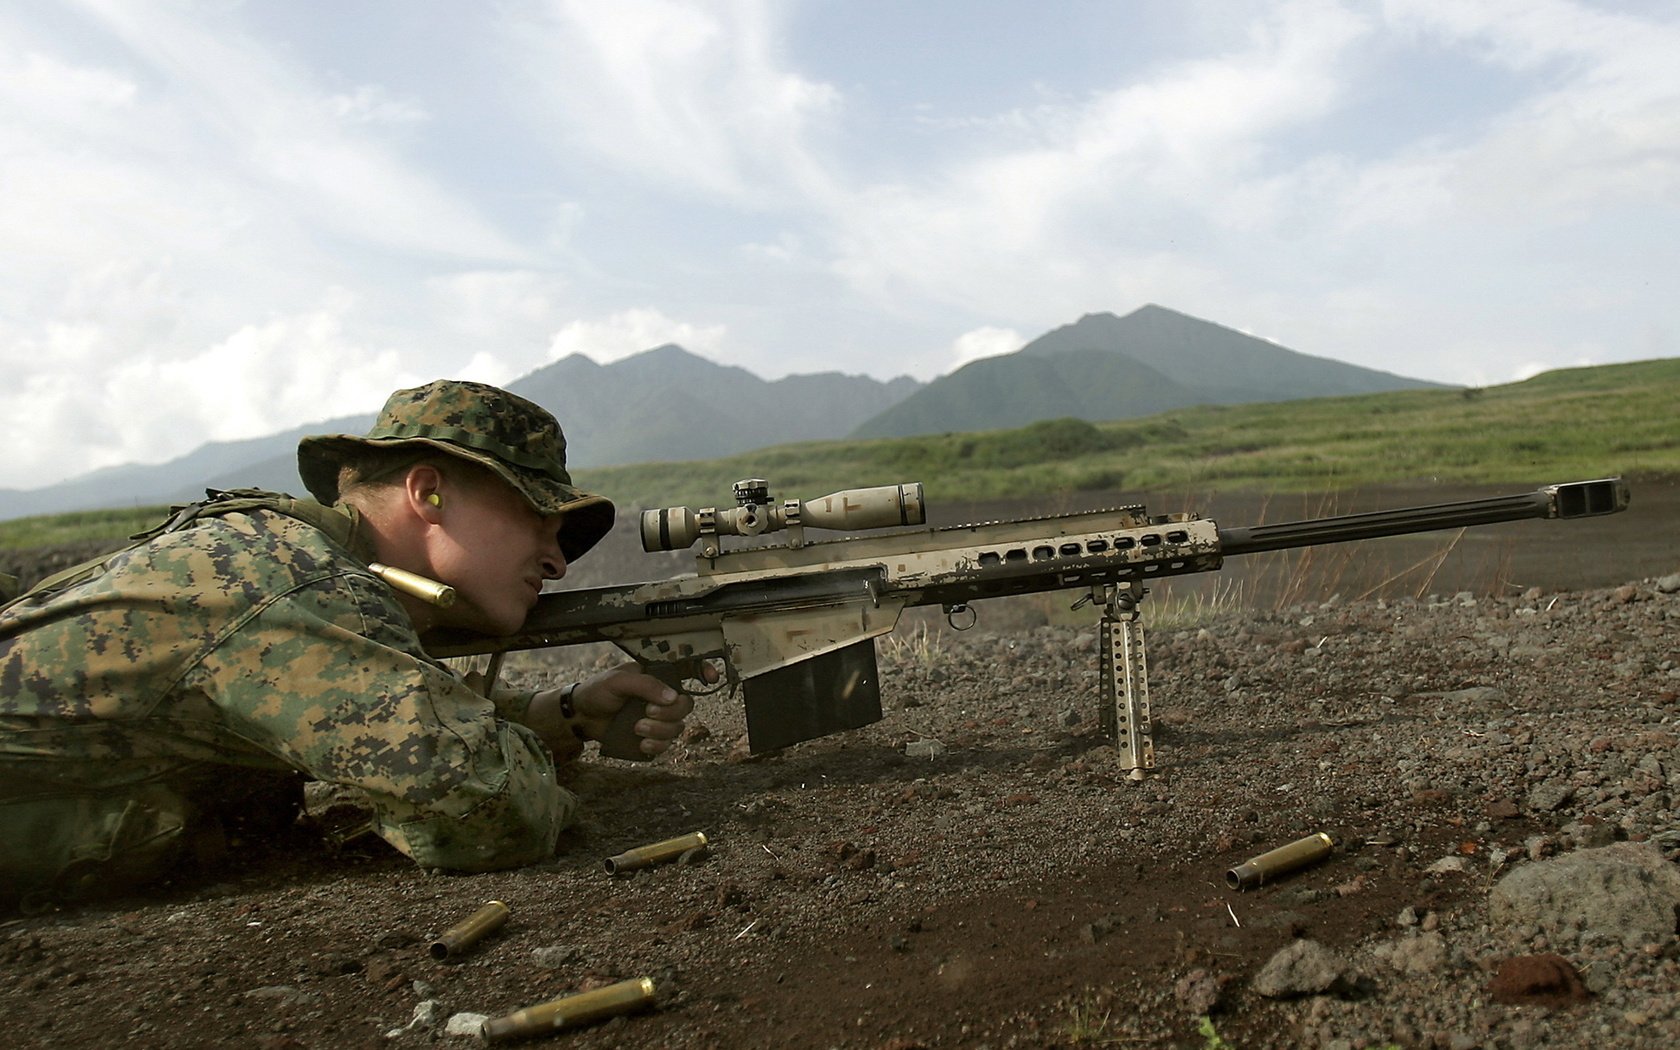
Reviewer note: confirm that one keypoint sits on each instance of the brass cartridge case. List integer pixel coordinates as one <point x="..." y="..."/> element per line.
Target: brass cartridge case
<point x="572" y="1011"/>
<point x="1281" y="861"/>
<point x="469" y="931"/>
<point x="658" y="852"/>
<point x="412" y="583"/>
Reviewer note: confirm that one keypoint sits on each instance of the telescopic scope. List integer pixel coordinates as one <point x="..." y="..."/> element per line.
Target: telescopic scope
<point x="884" y="506"/>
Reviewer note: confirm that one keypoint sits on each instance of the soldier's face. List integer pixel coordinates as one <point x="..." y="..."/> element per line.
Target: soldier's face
<point x="496" y="551"/>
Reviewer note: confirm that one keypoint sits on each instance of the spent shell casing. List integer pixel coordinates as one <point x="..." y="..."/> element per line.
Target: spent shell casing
<point x="469" y="931"/>
<point x="645" y="856"/>
<point x="572" y="1011"/>
<point x="1269" y="865"/>
<point x="412" y="583"/>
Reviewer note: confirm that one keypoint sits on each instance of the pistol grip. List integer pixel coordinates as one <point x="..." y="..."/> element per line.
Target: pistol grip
<point x="620" y="740"/>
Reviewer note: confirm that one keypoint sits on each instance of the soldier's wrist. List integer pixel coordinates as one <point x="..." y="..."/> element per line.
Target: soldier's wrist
<point x="568" y="709"/>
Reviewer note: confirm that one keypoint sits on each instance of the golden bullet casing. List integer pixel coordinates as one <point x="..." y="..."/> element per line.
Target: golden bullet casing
<point x="572" y="1011"/>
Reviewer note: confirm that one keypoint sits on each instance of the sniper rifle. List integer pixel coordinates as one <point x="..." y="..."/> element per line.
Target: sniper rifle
<point x="794" y="623"/>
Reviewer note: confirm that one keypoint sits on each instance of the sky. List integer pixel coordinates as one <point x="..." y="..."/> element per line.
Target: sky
<point x="220" y="219"/>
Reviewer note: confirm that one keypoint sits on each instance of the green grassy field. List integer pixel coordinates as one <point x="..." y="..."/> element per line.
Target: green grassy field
<point x="1587" y="422"/>
<point x="1563" y="425"/>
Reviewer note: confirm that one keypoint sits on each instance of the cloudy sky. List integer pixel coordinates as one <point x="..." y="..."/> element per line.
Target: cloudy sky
<point x="219" y="219"/>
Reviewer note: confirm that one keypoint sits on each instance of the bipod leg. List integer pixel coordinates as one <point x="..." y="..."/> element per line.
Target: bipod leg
<point x="1124" y="710"/>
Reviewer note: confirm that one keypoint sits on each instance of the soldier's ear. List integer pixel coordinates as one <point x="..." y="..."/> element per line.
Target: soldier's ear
<point x="420" y="487"/>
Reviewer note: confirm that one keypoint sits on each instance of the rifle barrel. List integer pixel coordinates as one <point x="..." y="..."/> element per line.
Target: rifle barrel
<point x="1574" y="499"/>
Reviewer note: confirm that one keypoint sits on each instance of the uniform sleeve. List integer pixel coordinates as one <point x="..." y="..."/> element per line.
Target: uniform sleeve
<point x="512" y="704"/>
<point x="332" y="680"/>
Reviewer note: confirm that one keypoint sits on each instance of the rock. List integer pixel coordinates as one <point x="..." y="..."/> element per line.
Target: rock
<point x="1197" y="992"/>
<point x="1425" y="953"/>
<point x="696" y="732"/>
<point x="1305" y="967"/>
<point x="1547" y="980"/>
<point x="1627" y="891"/>
<point x="1453" y="863"/>
<point x="924" y="748"/>
<point x="1669" y="584"/>
<point x="1549" y="796"/>
<point x="282" y="993"/>
<point x="1092" y="932"/>
<point x="466" y="1024"/>
<point x="555" y="956"/>
<point x="740" y="750"/>
<point x="425" y="1018"/>
<point x="1502" y="809"/>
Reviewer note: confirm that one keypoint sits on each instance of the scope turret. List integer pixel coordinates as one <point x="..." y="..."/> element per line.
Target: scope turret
<point x="884" y="506"/>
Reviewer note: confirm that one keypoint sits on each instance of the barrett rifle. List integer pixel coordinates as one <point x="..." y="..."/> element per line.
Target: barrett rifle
<point x="794" y="623"/>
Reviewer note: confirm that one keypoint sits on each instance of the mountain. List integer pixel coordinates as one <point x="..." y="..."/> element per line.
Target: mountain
<point x="667" y="403"/>
<point x="1105" y="367"/>
<point x="662" y="404"/>
<point x="1015" y="390"/>
<point x="251" y="463"/>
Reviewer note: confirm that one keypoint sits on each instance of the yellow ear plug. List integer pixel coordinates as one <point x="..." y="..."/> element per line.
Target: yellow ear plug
<point x="435" y="500"/>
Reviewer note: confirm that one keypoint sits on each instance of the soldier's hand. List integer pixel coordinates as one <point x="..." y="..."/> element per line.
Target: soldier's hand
<point x="600" y="699"/>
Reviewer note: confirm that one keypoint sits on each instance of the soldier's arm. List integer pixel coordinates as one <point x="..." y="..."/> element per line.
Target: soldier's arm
<point x="330" y="680"/>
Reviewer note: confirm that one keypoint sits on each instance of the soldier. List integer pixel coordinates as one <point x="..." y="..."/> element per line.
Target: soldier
<point x="191" y="682"/>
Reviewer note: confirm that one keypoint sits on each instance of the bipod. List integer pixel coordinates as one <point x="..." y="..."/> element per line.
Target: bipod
<point x="1123" y="709"/>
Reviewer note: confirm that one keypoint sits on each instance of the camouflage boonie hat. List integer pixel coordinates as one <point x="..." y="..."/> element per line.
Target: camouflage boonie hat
<point x="518" y="440"/>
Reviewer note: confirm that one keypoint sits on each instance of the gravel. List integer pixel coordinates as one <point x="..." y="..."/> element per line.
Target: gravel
<point x="1500" y="775"/>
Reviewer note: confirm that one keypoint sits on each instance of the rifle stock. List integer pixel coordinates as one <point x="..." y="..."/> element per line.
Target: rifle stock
<point x="794" y="624"/>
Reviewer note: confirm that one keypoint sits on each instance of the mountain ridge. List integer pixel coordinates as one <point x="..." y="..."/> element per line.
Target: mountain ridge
<point x="685" y="407"/>
<point x="1173" y="360"/>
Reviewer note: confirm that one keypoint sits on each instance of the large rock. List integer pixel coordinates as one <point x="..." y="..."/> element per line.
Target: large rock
<point x="1305" y="967"/>
<point x="1627" y="891"/>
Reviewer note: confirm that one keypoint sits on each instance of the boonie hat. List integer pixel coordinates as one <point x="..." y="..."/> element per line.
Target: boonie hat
<point x="517" y="440"/>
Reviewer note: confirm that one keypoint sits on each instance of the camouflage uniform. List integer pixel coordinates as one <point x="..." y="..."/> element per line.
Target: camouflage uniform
<point x="248" y="641"/>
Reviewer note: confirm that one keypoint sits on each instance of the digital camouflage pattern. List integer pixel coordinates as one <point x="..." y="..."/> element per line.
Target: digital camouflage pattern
<point x="255" y="640"/>
<point x="518" y="440"/>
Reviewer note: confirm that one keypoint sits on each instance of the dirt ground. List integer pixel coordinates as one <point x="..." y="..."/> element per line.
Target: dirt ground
<point x="977" y="871"/>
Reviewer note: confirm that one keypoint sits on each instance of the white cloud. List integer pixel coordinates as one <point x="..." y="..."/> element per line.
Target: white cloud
<point x="1449" y="190"/>
<point x="1603" y="123"/>
<point x="171" y="180"/>
<point x="982" y="342"/>
<point x="692" y="95"/>
<point x="373" y="104"/>
<point x="211" y="99"/>
<point x="117" y="407"/>
<point x="55" y="90"/>
<point x="1078" y="216"/>
<point x="631" y="332"/>
<point x="264" y="377"/>
<point x="481" y="306"/>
